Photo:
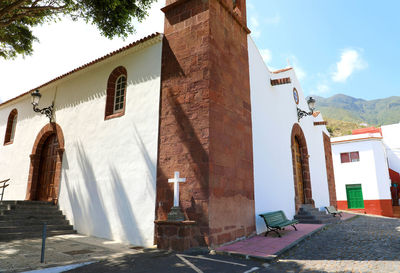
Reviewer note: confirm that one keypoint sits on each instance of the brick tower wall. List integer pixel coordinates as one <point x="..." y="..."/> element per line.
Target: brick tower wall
<point x="231" y="206"/>
<point x="205" y="120"/>
<point x="329" y="170"/>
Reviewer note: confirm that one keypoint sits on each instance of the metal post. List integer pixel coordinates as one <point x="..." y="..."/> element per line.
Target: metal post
<point x="43" y="243"/>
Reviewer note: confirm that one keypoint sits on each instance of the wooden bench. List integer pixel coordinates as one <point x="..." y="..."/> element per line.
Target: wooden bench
<point x="277" y="220"/>
<point x="332" y="210"/>
<point x="3" y="185"/>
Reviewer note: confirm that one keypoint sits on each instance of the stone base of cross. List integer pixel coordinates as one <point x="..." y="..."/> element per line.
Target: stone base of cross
<point x="176" y="213"/>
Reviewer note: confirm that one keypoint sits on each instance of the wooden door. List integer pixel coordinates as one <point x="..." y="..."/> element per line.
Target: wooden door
<point x="47" y="168"/>
<point x="299" y="171"/>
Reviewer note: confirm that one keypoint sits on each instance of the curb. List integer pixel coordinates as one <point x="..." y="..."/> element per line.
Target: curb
<point x="268" y="259"/>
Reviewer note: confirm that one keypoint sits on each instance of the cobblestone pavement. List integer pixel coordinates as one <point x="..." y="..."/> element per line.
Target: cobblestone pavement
<point x="362" y="244"/>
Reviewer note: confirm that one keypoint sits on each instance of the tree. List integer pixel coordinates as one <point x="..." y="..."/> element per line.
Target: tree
<point x="17" y="17"/>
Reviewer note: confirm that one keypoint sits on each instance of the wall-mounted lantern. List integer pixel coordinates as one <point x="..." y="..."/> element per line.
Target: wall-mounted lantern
<point x="48" y="111"/>
<point x="302" y="113"/>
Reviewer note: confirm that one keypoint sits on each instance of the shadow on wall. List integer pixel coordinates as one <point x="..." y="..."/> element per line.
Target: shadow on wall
<point x="150" y="164"/>
<point x="89" y="212"/>
<point x="123" y="206"/>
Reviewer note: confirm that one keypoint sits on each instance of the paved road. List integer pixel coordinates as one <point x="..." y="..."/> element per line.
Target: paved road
<point x="362" y="244"/>
<point x="171" y="262"/>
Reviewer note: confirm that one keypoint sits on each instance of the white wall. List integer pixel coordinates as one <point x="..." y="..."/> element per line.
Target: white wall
<point x="371" y="171"/>
<point x="108" y="185"/>
<point x="391" y="139"/>
<point x="273" y="116"/>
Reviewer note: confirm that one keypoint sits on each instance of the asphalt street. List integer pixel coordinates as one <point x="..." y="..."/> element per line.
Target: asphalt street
<point x="171" y="262"/>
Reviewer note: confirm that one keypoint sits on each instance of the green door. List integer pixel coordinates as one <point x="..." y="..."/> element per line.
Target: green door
<point x="354" y="196"/>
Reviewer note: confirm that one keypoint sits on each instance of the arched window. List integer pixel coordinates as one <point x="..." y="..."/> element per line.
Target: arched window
<point x="119" y="94"/>
<point x="116" y="93"/>
<point x="11" y="125"/>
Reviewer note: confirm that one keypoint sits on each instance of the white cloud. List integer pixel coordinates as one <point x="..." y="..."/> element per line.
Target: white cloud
<point x="300" y="72"/>
<point x="350" y="61"/>
<point x="64" y="46"/>
<point x="275" y="20"/>
<point x="266" y="55"/>
<point x="250" y="5"/>
<point x="294" y="62"/>
<point x="254" y="27"/>
<point x="322" y="89"/>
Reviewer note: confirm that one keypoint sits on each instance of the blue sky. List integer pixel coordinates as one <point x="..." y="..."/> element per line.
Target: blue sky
<point x="341" y="46"/>
<point x="338" y="46"/>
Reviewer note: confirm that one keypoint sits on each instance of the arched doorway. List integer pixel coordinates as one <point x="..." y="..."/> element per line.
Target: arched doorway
<point x="301" y="170"/>
<point x="47" y="169"/>
<point x="46" y="163"/>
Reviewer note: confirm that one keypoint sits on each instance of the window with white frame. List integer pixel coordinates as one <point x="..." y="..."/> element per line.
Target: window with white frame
<point x="119" y="97"/>
<point x="349" y="157"/>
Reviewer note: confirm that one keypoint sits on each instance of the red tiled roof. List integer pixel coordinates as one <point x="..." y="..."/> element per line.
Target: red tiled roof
<point x="149" y="37"/>
<point x="366" y="130"/>
<point x="281" y="70"/>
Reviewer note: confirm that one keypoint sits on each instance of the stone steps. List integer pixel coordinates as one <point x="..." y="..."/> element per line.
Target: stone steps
<point x="32" y="222"/>
<point x="33" y="206"/>
<point x="307" y="214"/>
<point x="31" y="235"/>
<point x="25" y="219"/>
<point x="32" y="228"/>
<point x="29" y="211"/>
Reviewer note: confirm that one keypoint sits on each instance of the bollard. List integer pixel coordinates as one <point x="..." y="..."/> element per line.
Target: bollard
<point x="43" y="243"/>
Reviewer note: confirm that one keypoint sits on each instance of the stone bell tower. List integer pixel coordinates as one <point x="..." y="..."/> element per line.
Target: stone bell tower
<point x="205" y="124"/>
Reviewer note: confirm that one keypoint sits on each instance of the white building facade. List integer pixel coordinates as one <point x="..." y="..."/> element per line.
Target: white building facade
<point x="362" y="174"/>
<point x="101" y="191"/>
<point x="275" y="129"/>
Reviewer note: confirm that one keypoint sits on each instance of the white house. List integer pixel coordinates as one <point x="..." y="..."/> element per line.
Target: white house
<point x="362" y="174"/>
<point x="179" y="101"/>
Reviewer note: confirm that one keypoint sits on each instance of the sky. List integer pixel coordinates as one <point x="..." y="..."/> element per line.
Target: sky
<point x="342" y="46"/>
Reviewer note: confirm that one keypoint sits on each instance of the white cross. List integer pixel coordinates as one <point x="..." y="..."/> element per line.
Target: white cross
<point x="176" y="181"/>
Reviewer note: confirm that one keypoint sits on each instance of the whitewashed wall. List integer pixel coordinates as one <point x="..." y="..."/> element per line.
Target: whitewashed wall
<point x="108" y="185"/>
<point x="371" y="171"/>
<point x="391" y="139"/>
<point x="273" y="116"/>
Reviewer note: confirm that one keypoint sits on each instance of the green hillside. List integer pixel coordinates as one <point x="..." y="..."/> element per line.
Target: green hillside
<point x="341" y="128"/>
<point x="374" y="112"/>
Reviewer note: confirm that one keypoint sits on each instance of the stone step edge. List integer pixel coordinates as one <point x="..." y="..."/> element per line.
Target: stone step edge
<point x="35" y="226"/>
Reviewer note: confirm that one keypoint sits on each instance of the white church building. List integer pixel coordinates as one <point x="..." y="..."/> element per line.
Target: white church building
<point x="244" y="138"/>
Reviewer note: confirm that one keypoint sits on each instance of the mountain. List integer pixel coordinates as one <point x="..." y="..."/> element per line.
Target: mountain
<point x="373" y="112"/>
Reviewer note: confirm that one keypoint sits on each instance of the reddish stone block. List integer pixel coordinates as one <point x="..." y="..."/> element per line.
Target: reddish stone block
<point x="223" y="238"/>
<point x="184" y="232"/>
<point x="240" y="233"/>
<point x="329" y="170"/>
